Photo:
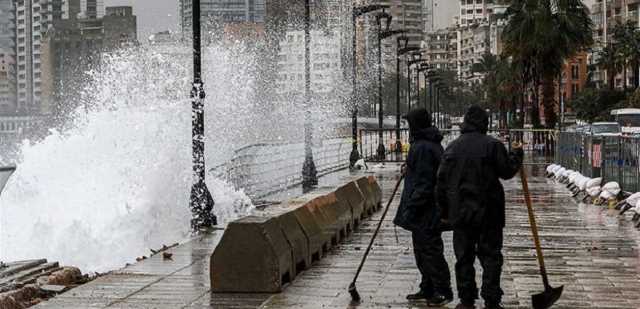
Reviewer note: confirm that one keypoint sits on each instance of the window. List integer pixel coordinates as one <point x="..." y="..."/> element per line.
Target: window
<point x="575" y="89"/>
<point x="575" y="72"/>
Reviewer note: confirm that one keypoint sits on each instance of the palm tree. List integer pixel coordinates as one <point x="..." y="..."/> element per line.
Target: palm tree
<point x="547" y="32"/>
<point x="608" y="60"/>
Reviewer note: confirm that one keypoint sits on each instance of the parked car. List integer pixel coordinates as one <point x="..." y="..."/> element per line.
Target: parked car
<point x="605" y="129"/>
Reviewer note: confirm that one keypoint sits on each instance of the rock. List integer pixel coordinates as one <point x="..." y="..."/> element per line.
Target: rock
<point x="20" y="298"/>
<point x="167" y="256"/>
<point x="66" y="276"/>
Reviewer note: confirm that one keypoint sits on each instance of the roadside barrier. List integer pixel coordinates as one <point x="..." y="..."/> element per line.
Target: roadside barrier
<point x="289" y="237"/>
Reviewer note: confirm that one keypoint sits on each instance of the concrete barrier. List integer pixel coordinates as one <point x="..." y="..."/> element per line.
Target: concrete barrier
<point x="352" y="194"/>
<point x="252" y="256"/>
<point x="376" y="191"/>
<point x="318" y="241"/>
<point x="262" y="252"/>
<point x="370" y="204"/>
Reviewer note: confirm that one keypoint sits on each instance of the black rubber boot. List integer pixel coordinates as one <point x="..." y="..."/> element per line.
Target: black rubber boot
<point x="439" y="300"/>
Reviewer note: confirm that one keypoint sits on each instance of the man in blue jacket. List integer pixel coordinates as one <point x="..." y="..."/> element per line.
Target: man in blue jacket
<point x="419" y="213"/>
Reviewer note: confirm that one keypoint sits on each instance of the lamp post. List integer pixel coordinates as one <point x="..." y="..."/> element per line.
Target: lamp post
<point x="357" y="12"/>
<point x="309" y="172"/>
<point x="490" y="118"/>
<point x="201" y="201"/>
<point x="416" y="59"/>
<point x="381" y="152"/>
<point x="423" y="68"/>
<point x="402" y="41"/>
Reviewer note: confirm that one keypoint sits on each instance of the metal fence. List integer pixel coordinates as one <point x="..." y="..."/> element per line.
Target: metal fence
<point x="614" y="158"/>
<point x="266" y="168"/>
<point x="539" y="145"/>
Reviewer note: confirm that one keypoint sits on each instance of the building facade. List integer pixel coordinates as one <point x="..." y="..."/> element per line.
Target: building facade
<point x="74" y="46"/>
<point x="441" y="49"/>
<point x="7" y="57"/>
<point x="326" y="65"/>
<point x="606" y="14"/>
<point x="220" y="12"/>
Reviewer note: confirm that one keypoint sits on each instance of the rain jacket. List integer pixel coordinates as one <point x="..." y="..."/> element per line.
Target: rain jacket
<point x="469" y="190"/>
<point x="418" y="210"/>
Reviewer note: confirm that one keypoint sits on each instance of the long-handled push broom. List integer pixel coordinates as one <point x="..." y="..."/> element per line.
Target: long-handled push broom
<point x="355" y="296"/>
<point x="550" y="295"/>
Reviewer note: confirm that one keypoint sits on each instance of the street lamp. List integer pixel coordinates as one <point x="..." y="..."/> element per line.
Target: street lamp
<point x="423" y="68"/>
<point x="309" y="172"/>
<point x="357" y="12"/>
<point x="404" y="42"/>
<point x="433" y="78"/>
<point x="201" y="202"/>
<point x="380" y="17"/>
<point x="416" y="58"/>
<point x="490" y="118"/>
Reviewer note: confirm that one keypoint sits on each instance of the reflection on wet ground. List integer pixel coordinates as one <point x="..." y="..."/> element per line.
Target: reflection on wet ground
<point x="590" y="250"/>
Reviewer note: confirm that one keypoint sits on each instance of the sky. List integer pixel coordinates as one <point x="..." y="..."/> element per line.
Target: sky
<point x="160" y="15"/>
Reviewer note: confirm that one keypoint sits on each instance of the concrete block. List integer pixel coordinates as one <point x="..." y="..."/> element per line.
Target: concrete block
<point x="352" y="194"/>
<point x="376" y="190"/>
<point x="370" y="204"/>
<point x="318" y="242"/>
<point x="293" y="232"/>
<point x="252" y="256"/>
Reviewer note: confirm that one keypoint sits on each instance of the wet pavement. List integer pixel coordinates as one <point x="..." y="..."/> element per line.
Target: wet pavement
<point x="589" y="249"/>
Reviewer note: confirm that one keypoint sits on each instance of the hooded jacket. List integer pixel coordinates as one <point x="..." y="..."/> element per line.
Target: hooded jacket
<point x="418" y="210"/>
<point x="469" y="191"/>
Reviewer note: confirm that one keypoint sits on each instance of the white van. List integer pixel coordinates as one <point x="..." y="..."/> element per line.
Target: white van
<point x="629" y="120"/>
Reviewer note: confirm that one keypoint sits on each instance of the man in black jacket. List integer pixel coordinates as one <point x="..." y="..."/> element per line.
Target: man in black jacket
<point x="418" y="212"/>
<point x="471" y="197"/>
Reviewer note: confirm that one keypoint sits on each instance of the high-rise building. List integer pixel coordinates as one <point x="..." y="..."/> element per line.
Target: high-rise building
<point x="606" y="15"/>
<point x="33" y="19"/>
<point x="326" y="65"/>
<point x="37" y="22"/>
<point x="441" y="48"/>
<point x="219" y="12"/>
<point x="476" y="11"/>
<point x="7" y="57"/>
<point x="407" y="15"/>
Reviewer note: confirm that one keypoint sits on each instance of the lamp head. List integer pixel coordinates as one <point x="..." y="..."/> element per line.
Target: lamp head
<point x="403" y="41"/>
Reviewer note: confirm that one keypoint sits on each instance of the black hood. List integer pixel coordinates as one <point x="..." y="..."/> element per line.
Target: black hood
<point x="475" y="120"/>
<point x="418" y="119"/>
<point x="431" y="134"/>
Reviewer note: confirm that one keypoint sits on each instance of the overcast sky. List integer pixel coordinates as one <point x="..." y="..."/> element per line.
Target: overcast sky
<point x="159" y="15"/>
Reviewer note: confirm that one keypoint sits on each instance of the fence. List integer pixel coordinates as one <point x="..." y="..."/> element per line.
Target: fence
<point x="266" y="168"/>
<point x="614" y="158"/>
<point x="539" y="145"/>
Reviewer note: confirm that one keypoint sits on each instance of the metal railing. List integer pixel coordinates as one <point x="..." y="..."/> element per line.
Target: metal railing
<point x="614" y="158"/>
<point x="539" y="145"/>
<point x="266" y="168"/>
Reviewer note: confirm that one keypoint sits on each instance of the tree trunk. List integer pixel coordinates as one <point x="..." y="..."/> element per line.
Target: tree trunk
<point x="636" y="76"/>
<point x="624" y="76"/>
<point x="612" y="80"/>
<point x="549" y="102"/>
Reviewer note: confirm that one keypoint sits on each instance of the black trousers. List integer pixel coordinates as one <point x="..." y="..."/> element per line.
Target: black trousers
<point x="429" y="252"/>
<point x="486" y="244"/>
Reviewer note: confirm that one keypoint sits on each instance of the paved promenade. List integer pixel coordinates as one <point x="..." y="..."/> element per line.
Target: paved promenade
<point x="589" y="250"/>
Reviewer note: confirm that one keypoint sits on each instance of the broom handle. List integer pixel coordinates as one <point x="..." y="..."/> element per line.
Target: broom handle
<point x="534" y="228"/>
<point x="375" y="234"/>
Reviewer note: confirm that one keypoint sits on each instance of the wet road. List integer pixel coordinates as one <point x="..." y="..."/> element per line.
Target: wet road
<point x="590" y="250"/>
